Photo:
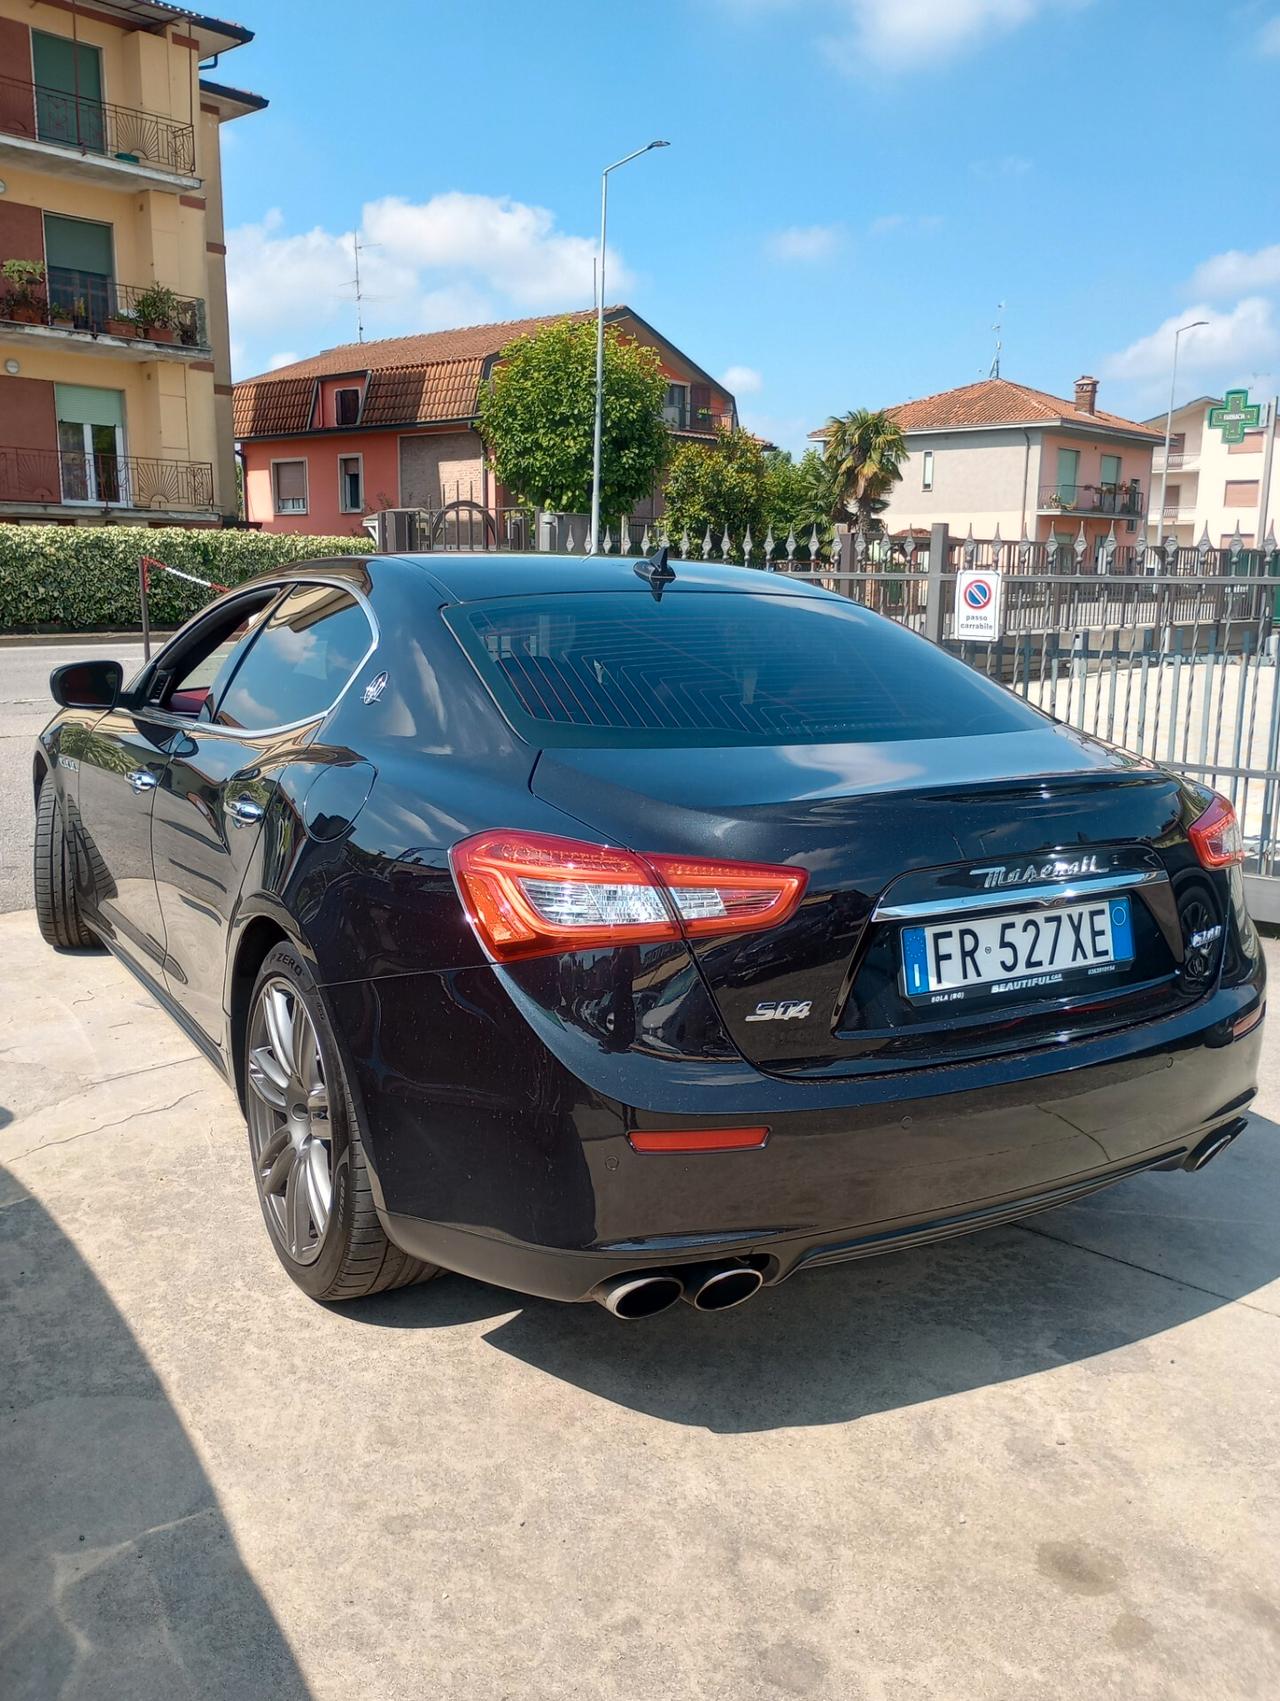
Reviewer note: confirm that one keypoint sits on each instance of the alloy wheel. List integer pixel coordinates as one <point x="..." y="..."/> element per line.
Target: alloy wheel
<point x="289" y="1127"/>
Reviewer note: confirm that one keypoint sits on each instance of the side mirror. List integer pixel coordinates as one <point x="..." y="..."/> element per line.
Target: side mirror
<point x="87" y="684"/>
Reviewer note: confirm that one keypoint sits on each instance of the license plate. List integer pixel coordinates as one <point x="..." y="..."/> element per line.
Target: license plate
<point x="997" y="956"/>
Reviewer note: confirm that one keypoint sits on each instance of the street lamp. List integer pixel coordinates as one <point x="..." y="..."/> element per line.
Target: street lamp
<point x="593" y="541"/>
<point x="1168" y="420"/>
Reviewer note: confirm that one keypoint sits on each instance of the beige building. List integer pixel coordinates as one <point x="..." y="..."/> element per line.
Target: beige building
<point x="999" y="454"/>
<point x="115" y="374"/>
<point x="1215" y="486"/>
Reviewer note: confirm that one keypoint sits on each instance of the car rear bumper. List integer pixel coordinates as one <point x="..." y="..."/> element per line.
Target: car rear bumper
<point x="493" y="1158"/>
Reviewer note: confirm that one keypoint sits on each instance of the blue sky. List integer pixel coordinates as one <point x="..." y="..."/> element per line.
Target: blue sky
<point x="851" y="188"/>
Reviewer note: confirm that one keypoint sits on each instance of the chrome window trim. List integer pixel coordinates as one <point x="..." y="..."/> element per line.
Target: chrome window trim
<point x="166" y="717"/>
<point x="1062" y="891"/>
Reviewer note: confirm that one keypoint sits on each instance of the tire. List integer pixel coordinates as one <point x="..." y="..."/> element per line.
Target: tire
<point x="57" y="904"/>
<point x="302" y="1128"/>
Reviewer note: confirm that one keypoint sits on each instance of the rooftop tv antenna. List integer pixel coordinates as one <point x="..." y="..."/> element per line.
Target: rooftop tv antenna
<point x="359" y="248"/>
<point x="998" y="328"/>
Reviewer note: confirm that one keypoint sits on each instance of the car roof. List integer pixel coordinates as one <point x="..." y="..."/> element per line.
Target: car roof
<point x="466" y="577"/>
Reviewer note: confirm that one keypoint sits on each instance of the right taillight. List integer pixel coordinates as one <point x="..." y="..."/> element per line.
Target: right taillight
<point x="1215" y="836"/>
<point x="533" y="894"/>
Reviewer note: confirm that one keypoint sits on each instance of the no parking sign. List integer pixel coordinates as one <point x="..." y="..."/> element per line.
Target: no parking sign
<point x="977" y="610"/>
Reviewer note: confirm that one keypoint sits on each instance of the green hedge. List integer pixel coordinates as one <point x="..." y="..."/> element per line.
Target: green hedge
<point x="85" y="578"/>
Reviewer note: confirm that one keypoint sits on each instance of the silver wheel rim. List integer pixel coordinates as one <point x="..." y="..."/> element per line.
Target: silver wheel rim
<point x="289" y="1127"/>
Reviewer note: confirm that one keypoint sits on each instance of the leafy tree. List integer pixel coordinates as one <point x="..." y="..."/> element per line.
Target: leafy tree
<point x="865" y="451"/>
<point x="723" y="485"/>
<point x="801" y="494"/>
<point x="537" y="414"/>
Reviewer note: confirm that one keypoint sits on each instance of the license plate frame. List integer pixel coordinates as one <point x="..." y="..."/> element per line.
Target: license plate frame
<point x="1054" y="976"/>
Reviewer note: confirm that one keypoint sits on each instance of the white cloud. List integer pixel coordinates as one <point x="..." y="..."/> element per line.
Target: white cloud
<point x="906" y="34"/>
<point x="285" y="358"/>
<point x="1232" y="343"/>
<point x="1236" y="271"/>
<point x="805" y="242"/>
<point x="1007" y="165"/>
<point x="1269" y="38"/>
<point x="454" y="259"/>
<point x="742" y="380"/>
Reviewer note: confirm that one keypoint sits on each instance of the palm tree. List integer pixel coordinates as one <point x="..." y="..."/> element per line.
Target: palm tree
<point x="865" y="451"/>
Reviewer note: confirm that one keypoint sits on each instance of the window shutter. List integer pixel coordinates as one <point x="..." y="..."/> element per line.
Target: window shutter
<point x="699" y="397"/>
<point x="291" y="480"/>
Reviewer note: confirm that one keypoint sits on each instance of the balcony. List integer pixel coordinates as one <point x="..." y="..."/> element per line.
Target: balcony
<point x="38" y="479"/>
<point x="1180" y="460"/>
<point x="124" y="321"/>
<point x="1119" y="500"/>
<point x="71" y="135"/>
<point x="697" y="422"/>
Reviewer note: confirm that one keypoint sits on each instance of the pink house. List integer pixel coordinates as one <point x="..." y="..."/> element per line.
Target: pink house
<point x="391" y="424"/>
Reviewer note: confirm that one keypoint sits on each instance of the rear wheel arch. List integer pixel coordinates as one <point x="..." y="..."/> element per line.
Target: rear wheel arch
<point x="260" y="936"/>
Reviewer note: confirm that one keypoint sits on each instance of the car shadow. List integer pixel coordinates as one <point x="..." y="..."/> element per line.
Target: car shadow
<point x="118" y="1573"/>
<point x="1116" y="1270"/>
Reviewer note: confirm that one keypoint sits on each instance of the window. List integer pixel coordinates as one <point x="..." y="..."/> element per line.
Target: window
<point x="68" y="77"/>
<point x="675" y="410"/>
<point x="926" y="474"/>
<point x="91" y="444"/>
<point x="713" y="668"/>
<point x="1253" y="444"/>
<point x="191" y="680"/>
<point x="351" y="484"/>
<point x="346" y="407"/>
<point x="1111" y="470"/>
<point x="1177" y="442"/>
<point x="1228" y="538"/>
<point x="304" y="654"/>
<point x="1068" y="476"/>
<point x="80" y="267"/>
<point x="1240" y="493"/>
<point x="289" y="483"/>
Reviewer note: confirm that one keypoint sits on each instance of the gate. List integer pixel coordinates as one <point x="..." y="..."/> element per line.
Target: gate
<point x="1167" y="652"/>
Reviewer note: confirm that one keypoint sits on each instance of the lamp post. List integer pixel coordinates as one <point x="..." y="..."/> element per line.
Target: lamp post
<point x="1168" y="422"/>
<point x="593" y="540"/>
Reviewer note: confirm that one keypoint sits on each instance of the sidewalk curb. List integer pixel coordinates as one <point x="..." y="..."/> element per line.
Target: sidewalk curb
<point x="13" y="640"/>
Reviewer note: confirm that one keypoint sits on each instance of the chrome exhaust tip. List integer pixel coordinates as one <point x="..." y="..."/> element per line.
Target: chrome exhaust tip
<point x="643" y="1293"/>
<point x="719" y="1287"/>
<point x="1213" y="1145"/>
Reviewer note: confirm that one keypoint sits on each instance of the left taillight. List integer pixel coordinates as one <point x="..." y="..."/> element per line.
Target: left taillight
<point x="532" y="894"/>
<point x="1216" y="837"/>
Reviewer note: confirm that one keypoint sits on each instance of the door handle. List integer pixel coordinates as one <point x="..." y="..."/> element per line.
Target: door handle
<point x="243" y="811"/>
<point x="144" y="779"/>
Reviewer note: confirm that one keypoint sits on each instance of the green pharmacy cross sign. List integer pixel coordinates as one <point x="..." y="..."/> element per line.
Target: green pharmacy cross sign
<point x="1236" y="415"/>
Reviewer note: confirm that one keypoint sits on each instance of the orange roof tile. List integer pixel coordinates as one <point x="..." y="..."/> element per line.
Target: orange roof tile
<point x="998" y="401"/>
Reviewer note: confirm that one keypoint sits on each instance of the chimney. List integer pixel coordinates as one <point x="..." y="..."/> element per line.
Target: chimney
<point x="1086" y="395"/>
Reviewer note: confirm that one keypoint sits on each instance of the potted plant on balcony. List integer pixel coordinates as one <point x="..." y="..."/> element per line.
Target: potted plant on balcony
<point x="156" y="311"/>
<point x="118" y="323"/>
<point x="24" y="298"/>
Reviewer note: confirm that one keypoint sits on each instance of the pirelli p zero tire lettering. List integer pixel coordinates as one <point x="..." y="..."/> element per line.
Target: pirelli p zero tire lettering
<point x="53" y="867"/>
<point x="304" y="1141"/>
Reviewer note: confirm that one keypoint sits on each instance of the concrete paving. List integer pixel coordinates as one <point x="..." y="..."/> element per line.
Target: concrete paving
<point x="1040" y="1462"/>
<point x="25" y="707"/>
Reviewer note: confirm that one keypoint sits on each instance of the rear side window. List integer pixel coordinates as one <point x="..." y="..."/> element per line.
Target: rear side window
<point x="717" y="668"/>
<point x="299" y="662"/>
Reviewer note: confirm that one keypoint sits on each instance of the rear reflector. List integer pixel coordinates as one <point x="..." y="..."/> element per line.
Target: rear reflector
<point x="532" y="894"/>
<point x="1215" y="836"/>
<point x="1246" y="1024"/>
<point x="697" y="1139"/>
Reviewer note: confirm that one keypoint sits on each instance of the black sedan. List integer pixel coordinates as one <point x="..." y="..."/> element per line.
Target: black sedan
<point x="630" y="932"/>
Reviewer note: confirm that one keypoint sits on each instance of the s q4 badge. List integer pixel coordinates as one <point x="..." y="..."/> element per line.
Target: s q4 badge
<point x="374" y="689"/>
<point x="781" y="1009"/>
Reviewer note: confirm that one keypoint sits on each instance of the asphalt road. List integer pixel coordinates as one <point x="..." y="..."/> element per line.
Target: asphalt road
<point x="25" y="706"/>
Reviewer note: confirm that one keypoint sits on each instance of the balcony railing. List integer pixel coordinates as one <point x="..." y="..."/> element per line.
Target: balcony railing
<point x="686" y="418"/>
<point x="103" y="480"/>
<point x="86" y="301"/>
<point x="96" y="127"/>
<point x="1179" y="459"/>
<point x="1120" y="499"/>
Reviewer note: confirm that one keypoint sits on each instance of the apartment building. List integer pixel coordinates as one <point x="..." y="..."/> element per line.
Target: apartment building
<point x="115" y="366"/>
<point x="1212" y="485"/>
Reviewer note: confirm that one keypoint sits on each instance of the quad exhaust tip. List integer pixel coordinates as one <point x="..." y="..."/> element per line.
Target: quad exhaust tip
<point x="641" y="1294"/>
<point x="706" y="1287"/>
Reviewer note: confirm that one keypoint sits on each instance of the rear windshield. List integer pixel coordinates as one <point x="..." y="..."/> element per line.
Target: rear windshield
<point x="619" y="669"/>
